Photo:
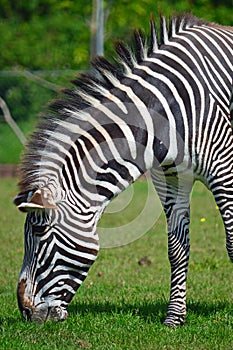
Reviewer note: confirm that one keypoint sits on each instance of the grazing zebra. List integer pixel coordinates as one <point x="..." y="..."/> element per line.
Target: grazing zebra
<point x="164" y="107"/>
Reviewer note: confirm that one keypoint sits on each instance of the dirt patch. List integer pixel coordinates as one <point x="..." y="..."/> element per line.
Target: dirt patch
<point x="8" y="170"/>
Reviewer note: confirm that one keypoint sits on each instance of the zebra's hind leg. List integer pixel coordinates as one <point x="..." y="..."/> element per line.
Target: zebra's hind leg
<point x="174" y="193"/>
<point x="223" y="194"/>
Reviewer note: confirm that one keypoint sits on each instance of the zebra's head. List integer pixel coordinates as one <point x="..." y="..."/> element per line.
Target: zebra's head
<point x="56" y="258"/>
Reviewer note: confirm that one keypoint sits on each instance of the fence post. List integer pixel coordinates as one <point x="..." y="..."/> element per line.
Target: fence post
<point x="10" y="121"/>
<point x="97" y="29"/>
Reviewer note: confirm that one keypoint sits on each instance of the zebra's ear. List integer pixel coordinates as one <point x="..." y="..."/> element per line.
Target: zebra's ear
<point x="35" y="200"/>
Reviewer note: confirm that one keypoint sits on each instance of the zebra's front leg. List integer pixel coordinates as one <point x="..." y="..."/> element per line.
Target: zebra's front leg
<point x="174" y="193"/>
<point x="178" y="253"/>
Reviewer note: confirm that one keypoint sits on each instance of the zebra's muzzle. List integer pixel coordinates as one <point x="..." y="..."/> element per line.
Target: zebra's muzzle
<point x="43" y="313"/>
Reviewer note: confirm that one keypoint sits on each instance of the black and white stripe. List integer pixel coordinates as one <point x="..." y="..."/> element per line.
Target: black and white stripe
<point x="165" y="107"/>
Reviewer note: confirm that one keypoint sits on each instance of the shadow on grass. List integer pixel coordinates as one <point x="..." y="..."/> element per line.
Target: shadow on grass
<point x="207" y="309"/>
<point x="10" y="321"/>
<point x="147" y="311"/>
<point x="150" y="312"/>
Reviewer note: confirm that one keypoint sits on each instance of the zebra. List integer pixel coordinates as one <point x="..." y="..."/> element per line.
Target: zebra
<point x="162" y="105"/>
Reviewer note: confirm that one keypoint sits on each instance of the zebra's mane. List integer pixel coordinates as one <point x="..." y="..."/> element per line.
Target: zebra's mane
<point x="95" y="86"/>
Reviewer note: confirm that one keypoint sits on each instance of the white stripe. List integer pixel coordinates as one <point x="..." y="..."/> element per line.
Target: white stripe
<point x="173" y="151"/>
<point x="218" y="47"/>
<point x="189" y="54"/>
<point x="218" y="76"/>
<point x="206" y="136"/>
<point x="98" y="169"/>
<point x="202" y="59"/>
<point x="179" y="100"/>
<point x="143" y="111"/>
<point x="223" y="35"/>
<point x="111" y="97"/>
<point x="165" y="33"/>
<point x="117" y="120"/>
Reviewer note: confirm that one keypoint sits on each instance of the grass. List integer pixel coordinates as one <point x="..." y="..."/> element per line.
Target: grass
<point x="122" y="304"/>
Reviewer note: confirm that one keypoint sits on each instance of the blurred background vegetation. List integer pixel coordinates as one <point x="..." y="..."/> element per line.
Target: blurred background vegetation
<point x="45" y="43"/>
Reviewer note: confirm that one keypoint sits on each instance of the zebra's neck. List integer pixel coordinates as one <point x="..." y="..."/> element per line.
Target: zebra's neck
<point x="94" y="155"/>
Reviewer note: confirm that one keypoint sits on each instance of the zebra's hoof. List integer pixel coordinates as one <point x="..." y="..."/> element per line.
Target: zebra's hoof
<point x="174" y="321"/>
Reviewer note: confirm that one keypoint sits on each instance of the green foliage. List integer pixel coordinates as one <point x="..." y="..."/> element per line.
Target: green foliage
<point x="24" y="97"/>
<point x="48" y="43"/>
<point x="122" y="304"/>
<point x="25" y="10"/>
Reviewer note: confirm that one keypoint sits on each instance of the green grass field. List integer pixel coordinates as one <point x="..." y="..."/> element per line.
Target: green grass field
<point x="122" y="304"/>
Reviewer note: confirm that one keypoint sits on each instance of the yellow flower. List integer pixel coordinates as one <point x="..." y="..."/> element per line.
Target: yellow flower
<point x="217" y="208"/>
<point x="202" y="219"/>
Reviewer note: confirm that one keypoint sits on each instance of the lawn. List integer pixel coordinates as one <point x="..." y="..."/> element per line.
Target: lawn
<point x="122" y="303"/>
